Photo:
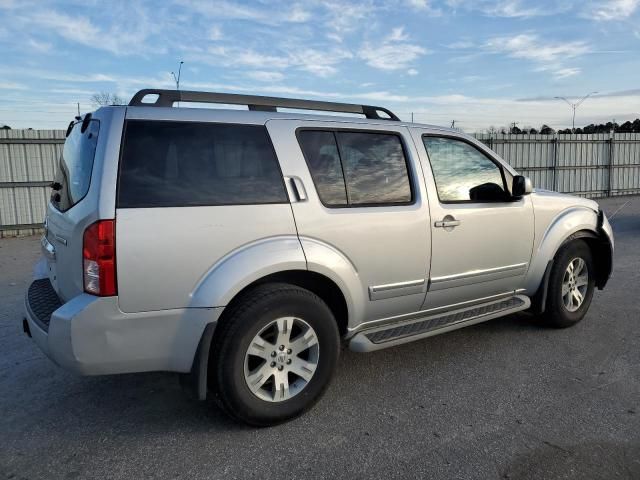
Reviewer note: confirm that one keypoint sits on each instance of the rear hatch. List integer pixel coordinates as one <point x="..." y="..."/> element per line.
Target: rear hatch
<point x="66" y="218"/>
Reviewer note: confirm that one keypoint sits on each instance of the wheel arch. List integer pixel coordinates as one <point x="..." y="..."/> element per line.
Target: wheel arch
<point x="602" y="254"/>
<point x="325" y="288"/>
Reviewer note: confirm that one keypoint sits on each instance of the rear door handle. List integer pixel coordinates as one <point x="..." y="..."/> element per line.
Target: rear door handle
<point x="298" y="188"/>
<point x="447" y="222"/>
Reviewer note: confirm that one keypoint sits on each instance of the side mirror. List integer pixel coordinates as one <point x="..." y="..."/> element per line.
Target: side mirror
<point x="521" y="186"/>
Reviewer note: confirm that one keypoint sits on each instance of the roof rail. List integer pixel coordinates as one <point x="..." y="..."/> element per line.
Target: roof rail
<point x="166" y="98"/>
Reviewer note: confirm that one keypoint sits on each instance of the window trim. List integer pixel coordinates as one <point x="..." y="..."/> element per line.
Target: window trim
<point x="287" y="200"/>
<point x="410" y="174"/>
<point x="471" y="144"/>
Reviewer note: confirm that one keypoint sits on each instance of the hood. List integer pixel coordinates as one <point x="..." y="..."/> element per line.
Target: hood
<point x="540" y="195"/>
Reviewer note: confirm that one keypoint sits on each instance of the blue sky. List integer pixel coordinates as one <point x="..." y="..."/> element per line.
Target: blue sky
<point x="481" y="63"/>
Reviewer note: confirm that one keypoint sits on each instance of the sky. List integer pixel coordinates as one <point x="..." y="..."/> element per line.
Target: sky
<point x="481" y="63"/>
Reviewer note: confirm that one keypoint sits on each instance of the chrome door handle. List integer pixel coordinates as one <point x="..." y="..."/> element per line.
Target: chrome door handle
<point x="447" y="222"/>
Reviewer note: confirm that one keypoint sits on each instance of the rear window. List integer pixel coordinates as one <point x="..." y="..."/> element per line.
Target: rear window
<point x="173" y="164"/>
<point x="76" y="165"/>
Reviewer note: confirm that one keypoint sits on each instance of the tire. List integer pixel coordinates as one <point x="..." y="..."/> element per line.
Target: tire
<point x="569" y="297"/>
<point x="247" y="348"/>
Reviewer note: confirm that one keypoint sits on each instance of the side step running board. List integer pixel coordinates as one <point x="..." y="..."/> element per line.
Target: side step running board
<point x="403" y="332"/>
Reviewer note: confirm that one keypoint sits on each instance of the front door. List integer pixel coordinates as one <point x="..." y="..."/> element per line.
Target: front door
<point x="481" y="237"/>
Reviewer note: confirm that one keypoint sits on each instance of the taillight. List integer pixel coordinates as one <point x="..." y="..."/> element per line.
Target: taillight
<point x="99" y="258"/>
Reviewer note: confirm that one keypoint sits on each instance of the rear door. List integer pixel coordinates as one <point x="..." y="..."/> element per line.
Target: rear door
<point x="365" y="199"/>
<point x="482" y="238"/>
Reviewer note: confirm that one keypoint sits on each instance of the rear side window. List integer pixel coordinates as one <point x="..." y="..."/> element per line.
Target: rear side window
<point x="76" y="165"/>
<point x="357" y="168"/>
<point x="321" y="152"/>
<point x="173" y="164"/>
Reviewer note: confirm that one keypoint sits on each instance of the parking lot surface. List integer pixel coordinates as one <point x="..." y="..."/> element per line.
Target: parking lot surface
<point x="504" y="399"/>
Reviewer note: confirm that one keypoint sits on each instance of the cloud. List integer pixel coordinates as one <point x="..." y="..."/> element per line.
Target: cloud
<point x="412" y="72"/>
<point x="547" y="55"/>
<point x="263" y="14"/>
<point x="507" y="8"/>
<point x="424" y="6"/>
<point x="398" y="35"/>
<point x="124" y="37"/>
<point x="394" y="53"/>
<point x="12" y="86"/>
<point x="612" y="10"/>
<point x="264" y="76"/>
<point x="322" y="63"/>
<point x="215" y="33"/>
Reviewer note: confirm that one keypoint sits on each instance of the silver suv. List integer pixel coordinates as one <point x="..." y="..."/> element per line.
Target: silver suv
<point x="240" y="248"/>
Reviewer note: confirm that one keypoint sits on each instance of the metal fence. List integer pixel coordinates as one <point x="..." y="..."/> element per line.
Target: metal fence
<point x="589" y="165"/>
<point x="595" y="165"/>
<point x="27" y="165"/>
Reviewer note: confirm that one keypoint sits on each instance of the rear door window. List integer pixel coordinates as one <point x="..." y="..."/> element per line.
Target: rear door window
<point x="75" y="165"/>
<point x="173" y="164"/>
<point x="357" y="168"/>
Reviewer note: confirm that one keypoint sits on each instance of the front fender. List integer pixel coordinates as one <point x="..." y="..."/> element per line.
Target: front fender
<point x="245" y="265"/>
<point x="562" y="226"/>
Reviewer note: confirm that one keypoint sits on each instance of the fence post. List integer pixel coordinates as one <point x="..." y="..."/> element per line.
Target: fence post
<point x="612" y="136"/>
<point x="554" y="142"/>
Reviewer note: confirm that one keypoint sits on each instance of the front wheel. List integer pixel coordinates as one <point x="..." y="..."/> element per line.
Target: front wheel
<point x="571" y="285"/>
<point x="274" y="354"/>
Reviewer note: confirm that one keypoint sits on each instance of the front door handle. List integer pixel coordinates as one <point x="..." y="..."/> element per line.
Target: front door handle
<point x="447" y="222"/>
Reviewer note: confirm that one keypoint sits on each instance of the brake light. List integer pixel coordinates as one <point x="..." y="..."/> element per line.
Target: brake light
<point x="99" y="258"/>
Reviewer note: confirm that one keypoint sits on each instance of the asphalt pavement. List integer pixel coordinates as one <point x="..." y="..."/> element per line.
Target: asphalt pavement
<point x="505" y="399"/>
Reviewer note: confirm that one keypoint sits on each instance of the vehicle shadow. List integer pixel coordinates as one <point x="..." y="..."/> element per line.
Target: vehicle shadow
<point x="138" y="404"/>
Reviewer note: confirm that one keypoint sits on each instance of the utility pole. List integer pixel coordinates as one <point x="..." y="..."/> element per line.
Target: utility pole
<point x="78" y="108"/>
<point x="453" y="124"/>
<point x="574" y="106"/>
<point x="411" y="117"/>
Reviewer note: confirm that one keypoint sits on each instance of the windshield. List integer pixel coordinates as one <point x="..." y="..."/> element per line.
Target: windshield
<point x="75" y="166"/>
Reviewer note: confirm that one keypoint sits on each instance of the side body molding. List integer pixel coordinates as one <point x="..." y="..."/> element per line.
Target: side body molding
<point x="332" y="263"/>
<point x="245" y="265"/>
<point x="562" y="226"/>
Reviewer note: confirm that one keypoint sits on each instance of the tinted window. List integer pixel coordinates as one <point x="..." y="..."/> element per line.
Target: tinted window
<point x="373" y="164"/>
<point x="185" y="163"/>
<point x="321" y="153"/>
<point x="462" y="173"/>
<point x="76" y="165"/>
<point x="375" y="168"/>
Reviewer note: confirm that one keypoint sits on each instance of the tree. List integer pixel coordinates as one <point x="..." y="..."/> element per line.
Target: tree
<point x="5" y="127"/>
<point x="104" y="99"/>
<point x="547" y="130"/>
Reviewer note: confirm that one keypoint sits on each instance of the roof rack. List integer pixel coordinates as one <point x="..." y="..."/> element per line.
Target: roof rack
<point x="166" y="98"/>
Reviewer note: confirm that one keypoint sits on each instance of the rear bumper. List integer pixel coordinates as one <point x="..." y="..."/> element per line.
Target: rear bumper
<point x="91" y="336"/>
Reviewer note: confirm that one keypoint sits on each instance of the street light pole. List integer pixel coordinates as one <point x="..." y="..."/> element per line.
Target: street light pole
<point x="574" y="106"/>
<point x="177" y="78"/>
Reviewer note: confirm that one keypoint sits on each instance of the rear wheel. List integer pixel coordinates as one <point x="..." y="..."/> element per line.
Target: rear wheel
<point x="274" y="354"/>
<point x="571" y="285"/>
